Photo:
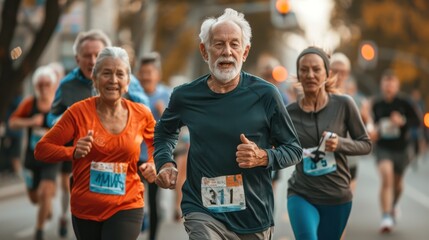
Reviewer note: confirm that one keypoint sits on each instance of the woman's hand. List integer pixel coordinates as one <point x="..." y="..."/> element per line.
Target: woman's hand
<point x="83" y="146"/>
<point x="331" y="143"/>
<point x="148" y="171"/>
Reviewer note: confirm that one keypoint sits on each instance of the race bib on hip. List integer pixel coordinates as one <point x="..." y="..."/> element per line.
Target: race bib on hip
<point x="388" y="130"/>
<point x="108" y="178"/>
<point x="223" y="194"/>
<point x="36" y="134"/>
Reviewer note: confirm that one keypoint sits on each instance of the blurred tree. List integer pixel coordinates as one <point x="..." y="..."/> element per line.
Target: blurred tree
<point x="399" y="28"/>
<point x="13" y="72"/>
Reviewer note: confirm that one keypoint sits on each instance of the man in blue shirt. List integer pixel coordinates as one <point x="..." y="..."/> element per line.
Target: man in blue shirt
<point x="239" y="132"/>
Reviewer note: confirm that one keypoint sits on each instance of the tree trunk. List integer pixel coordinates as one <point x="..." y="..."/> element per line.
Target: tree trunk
<point x="11" y="78"/>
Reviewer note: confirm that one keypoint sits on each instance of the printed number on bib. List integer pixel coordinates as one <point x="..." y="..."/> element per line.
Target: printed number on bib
<point x="108" y="178"/>
<point x="316" y="161"/>
<point x="223" y="194"/>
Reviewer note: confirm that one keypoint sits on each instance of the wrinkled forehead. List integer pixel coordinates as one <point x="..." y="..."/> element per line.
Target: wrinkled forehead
<point x="43" y="79"/>
<point x="310" y="59"/>
<point x="226" y="28"/>
<point x="115" y="63"/>
<point x="390" y="79"/>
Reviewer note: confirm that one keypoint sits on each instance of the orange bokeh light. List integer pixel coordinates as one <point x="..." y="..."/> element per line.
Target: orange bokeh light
<point x="279" y="73"/>
<point x="426" y="120"/>
<point x="283" y="6"/>
<point x="367" y="51"/>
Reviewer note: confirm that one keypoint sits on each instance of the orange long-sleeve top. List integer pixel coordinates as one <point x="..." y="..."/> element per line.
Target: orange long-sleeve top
<point x="107" y="147"/>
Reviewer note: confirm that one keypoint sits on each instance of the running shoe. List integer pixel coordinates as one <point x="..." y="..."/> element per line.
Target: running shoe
<point x="62" y="229"/>
<point x="396" y="214"/>
<point x="387" y="224"/>
<point x="39" y="235"/>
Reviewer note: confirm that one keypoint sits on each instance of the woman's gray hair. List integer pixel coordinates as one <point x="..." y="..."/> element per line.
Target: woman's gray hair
<point x="94" y="34"/>
<point x="112" y="52"/>
<point x="44" y="71"/>
<point x="229" y="15"/>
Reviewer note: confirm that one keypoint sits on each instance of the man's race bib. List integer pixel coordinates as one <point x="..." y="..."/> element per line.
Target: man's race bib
<point x="223" y="194"/>
<point x="317" y="162"/>
<point x="388" y="130"/>
<point x="108" y="178"/>
<point x="36" y="134"/>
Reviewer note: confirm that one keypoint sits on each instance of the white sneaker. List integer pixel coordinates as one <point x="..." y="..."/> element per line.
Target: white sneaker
<point x="396" y="214"/>
<point x="386" y="225"/>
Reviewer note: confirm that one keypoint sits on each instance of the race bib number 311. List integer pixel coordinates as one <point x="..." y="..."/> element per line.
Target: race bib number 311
<point x="108" y="178"/>
<point x="223" y="194"/>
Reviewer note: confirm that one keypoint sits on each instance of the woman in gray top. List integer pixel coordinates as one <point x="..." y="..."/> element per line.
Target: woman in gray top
<point x="319" y="196"/>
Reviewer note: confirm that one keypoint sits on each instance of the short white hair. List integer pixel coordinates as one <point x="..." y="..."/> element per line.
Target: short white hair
<point x="229" y="15"/>
<point x="44" y="71"/>
<point x="340" y="58"/>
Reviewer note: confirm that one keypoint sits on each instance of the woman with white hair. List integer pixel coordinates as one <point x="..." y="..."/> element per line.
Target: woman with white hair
<point x="30" y="114"/>
<point x="107" y="131"/>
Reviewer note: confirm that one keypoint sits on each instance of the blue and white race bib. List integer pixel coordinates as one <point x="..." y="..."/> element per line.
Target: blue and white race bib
<point x="325" y="165"/>
<point x="317" y="162"/>
<point x="36" y="134"/>
<point x="108" y="178"/>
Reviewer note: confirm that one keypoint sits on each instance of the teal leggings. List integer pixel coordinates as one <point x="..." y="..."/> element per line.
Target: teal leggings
<point x="317" y="222"/>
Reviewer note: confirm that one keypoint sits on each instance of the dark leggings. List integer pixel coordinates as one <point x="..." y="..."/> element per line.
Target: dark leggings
<point x="317" y="222"/>
<point x="153" y="210"/>
<point x="124" y="225"/>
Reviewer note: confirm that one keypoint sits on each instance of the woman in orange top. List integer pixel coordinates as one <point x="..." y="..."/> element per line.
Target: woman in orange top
<point x="30" y="114"/>
<point x="107" y="130"/>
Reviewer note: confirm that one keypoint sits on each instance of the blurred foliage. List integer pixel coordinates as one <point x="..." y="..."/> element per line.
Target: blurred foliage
<point x="398" y="27"/>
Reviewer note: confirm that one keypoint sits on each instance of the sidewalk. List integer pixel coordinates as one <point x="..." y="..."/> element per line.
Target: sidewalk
<point x="10" y="185"/>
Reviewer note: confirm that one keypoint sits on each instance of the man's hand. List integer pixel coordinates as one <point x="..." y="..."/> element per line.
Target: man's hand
<point x="397" y="119"/>
<point x="83" y="145"/>
<point x="167" y="176"/>
<point x="249" y="155"/>
<point x="148" y="171"/>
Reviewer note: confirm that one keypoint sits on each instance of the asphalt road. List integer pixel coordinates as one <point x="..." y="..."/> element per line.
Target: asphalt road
<point x="17" y="215"/>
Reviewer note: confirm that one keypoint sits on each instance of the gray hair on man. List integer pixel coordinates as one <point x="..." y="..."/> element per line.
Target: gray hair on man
<point x="152" y="58"/>
<point x="94" y="34"/>
<point x="340" y="58"/>
<point x="112" y="52"/>
<point x="228" y="15"/>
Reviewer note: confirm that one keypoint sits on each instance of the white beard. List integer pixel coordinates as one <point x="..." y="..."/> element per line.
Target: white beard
<point x="224" y="75"/>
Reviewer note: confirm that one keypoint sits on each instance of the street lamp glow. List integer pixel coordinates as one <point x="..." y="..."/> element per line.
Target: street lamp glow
<point x="279" y="73"/>
<point x="367" y="51"/>
<point x="426" y="120"/>
<point x="282" y="6"/>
